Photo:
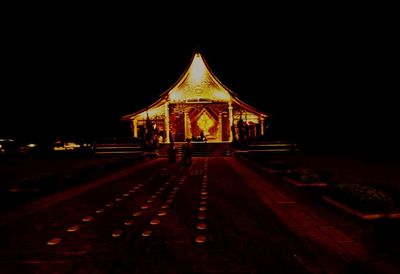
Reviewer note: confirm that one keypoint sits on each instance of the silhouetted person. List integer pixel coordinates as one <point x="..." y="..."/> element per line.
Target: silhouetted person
<point x="240" y="125"/>
<point x="172" y="153"/>
<point x="187" y="153"/>
<point x="233" y="129"/>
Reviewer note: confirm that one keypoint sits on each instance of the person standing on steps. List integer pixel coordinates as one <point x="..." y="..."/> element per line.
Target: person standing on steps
<point x="187" y="153"/>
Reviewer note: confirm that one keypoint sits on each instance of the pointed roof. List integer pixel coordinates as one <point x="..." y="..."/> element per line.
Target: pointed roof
<point x="198" y="84"/>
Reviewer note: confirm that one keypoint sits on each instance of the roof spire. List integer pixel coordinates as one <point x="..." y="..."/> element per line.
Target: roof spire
<point x="197" y="48"/>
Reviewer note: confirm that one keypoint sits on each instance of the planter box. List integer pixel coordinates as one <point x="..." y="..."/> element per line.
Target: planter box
<point x="298" y="183"/>
<point x="360" y="214"/>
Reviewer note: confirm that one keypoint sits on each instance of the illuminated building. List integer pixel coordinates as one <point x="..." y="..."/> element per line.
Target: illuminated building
<point x="198" y="105"/>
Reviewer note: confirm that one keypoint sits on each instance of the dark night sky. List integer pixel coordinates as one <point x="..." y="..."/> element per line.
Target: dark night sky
<point x="325" y="79"/>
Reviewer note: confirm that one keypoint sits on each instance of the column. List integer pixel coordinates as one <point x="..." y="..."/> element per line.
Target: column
<point x="185" y="118"/>
<point x="166" y="122"/>
<point x="220" y="126"/>
<point x="188" y="128"/>
<point x="262" y="125"/>
<point x="135" y="128"/>
<point x="230" y="110"/>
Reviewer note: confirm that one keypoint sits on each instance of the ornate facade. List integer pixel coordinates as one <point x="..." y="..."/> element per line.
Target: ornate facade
<point x="198" y="107"/>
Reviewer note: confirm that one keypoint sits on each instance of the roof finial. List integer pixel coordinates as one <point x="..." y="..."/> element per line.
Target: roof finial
<point x="197" y="48"/>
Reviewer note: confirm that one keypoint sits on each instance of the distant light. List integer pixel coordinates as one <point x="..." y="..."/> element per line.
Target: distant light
<point x="66" y="146"/>
<point x="7" y="140"/>
<point x="31" y="145"/>
<point x="71" y="145"/>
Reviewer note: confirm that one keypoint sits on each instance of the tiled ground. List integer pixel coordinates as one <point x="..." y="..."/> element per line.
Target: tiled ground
<point x="162" y="218"/>
<point x="219" y="215"/>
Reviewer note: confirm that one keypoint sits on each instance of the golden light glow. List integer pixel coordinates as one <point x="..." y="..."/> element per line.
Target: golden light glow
<point x="66" y="146"/>
<point x="198" y="84"/>
<point x="223" y="96"/>
<point x="176" y="95"/>
<point x="249" y="117"/>
<point x="205" y="123"/>
<point x="156" y="111"/>
<point x="198" y="70"/>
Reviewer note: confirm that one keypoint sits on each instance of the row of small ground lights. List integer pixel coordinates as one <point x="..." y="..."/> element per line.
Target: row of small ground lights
<point x="118" y="232"/>
<point x="163" y="209"/>
<point x="202" y="215"/>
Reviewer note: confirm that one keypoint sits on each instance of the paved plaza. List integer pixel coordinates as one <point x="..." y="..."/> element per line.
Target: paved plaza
<point x="219" y="215"/>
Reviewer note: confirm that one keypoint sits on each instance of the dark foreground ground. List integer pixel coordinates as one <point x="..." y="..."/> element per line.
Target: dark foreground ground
<point x="217" y="216"/>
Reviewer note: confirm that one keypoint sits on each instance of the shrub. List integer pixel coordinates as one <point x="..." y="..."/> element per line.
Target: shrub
<point x="362" y="197"/>
<point x="394" y="190"/>
<point x="310" y="176"/>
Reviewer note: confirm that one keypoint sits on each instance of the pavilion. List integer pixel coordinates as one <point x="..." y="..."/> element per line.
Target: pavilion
<point x="199" y="107"/>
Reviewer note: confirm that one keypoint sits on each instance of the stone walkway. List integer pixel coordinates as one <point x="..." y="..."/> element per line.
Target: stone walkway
<point x="217" y="216"/>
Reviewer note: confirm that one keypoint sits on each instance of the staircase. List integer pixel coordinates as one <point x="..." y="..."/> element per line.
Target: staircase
<point x="276" y="147"/>
<point x="129" y="149"/>
<point x="199" y="149"/>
